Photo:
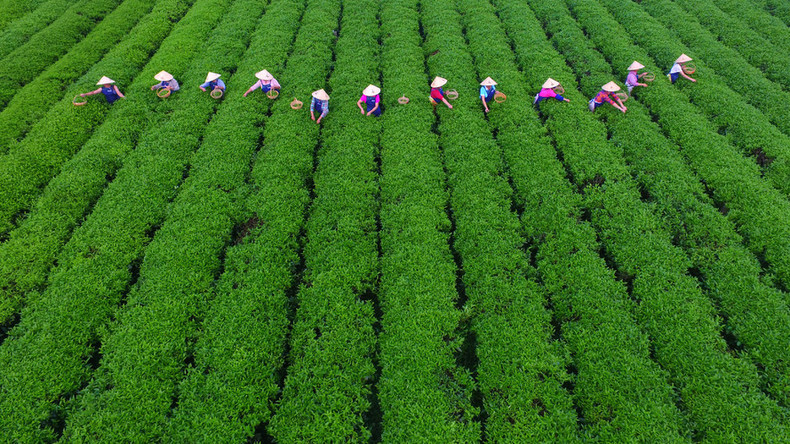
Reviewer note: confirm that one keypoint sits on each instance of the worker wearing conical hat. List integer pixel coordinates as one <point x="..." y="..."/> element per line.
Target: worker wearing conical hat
<point x="607" y="95"/>
<point x="266" y="82"/>
<point x="487" y="92"/>
<point x="166" y="81"/>
<point x="633" y="76"/>
<point x="370" y="97"/>
<point x="319" y="104"/>
<point x="547" y="92"/>
<point x="108" y="88"/>
<point x="213" y="82"/>
<point x="677" y="69"/>
<point x="437" y="93"/>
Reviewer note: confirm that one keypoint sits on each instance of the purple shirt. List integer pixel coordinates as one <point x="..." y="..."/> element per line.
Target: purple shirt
<point x="632" y="79"/>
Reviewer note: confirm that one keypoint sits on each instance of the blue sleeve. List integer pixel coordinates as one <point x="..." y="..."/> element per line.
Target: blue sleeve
<point x="312" y="104"/>
<point x="326" y="107"/>
<point x="220" y="83"/>
<point x="559" y="97"/>
<point x="204" y="84"/>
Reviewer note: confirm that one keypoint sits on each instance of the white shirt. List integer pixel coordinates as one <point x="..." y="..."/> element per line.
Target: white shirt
<point x="675" y="68"/>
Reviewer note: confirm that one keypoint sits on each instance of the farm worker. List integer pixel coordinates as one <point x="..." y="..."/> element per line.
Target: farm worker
<point x="547" y="92"/>
<point x="437" y="93"/>
<point x="487" y="91"/>
<point x="633" y="76"/>
<point x="677" y="69"/>
<point x="110" y="91"/>
<point x="605" y="95"/>
<point x="370" y="96"/>
<point x="266" y="82"/>
<point x="213" y="82"/>
<point x="166" y="81"/>
<point x="319" y="104"/>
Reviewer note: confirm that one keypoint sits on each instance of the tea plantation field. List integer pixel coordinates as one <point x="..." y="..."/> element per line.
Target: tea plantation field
<point x="199" y="270"/>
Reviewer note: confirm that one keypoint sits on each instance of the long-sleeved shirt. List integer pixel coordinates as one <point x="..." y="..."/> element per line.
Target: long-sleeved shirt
<point x="216" y="83"/>
<point x="172" y="83"/>
<point x="273" y="83"/>
<point x="603" y="96"/>
<point x="547" y="93"/>
<point x="632" y="79"/>
<point x="320" y="105"/>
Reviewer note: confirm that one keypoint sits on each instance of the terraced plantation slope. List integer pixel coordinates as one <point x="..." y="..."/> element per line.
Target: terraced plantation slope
<point x="198" y="269"/>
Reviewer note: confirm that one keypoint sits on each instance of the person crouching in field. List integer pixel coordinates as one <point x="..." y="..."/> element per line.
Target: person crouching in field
<point x="266" y="82"/>
<point x="437" y="93"/>
<point x="166" y="81"/>
<point x="370" y="97"/>
<point x="678" y="69"/>
<point x="633" y="76"/>
<point x="605" y="95"/>
<point x="547" y="92"/>
<point x="487" y="92"/>
<point x="108" y="88"/>
<point x="213" y="83"/>
<point x="319" y="105"/>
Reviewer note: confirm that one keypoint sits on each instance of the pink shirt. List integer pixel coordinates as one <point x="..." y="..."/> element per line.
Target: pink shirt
<point x="364" y="98"/>
<point x="547" y="93"/>
<point x="632" y="79"/>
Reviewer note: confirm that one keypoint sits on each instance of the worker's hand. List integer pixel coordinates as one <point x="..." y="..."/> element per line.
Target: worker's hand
<point x="369" y="113"/>
<point x="319" y="120"/>
<point x="450" y="106"/>
<point x="362" y="111"/>
<point x="566" y="100"/>
<point x="82" y="95"/>
<point x="693" y="80"/>
<point x="312" y="117"/>
<point x="203" y="89"/>
<point x="152" y="88"/>
<point x="245" y="94"/>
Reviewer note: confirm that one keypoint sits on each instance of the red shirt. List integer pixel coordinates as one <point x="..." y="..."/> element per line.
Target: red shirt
<point x="603" y="96"/>
<point x="437" y="94"/>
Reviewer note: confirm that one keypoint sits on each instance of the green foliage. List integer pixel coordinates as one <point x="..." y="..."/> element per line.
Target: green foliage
<point x="327" y="391"/>
<point x="759" y="20"/>
<point x="20" y="31"/>
<point x="760" y="322"/>
<point x="424" y="394"/>
<point x="45" y="356"/>
<point x="26" y="62"/>
<point x="145" y="352"/>
<point x="31" y="101"/>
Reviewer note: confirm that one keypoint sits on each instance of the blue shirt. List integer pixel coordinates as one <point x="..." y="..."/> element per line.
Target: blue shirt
<point x="173" y="83"/>
<point x="217" y="82"/>
<point x="322" y="105"/>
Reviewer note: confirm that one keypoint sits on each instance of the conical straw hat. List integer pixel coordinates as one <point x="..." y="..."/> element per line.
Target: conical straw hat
<point x="611" y="87"/>
<point x="105" y="81"/>
<point x="636" y="66"/>
<point x="212" y="76"/>
<point x="683" y="59"/>
<point x="321" y="95"/>
<point x="164" y="76"/>
<point x="550" y="83"/>
<point x="371" y="90"/>
<point x="438" y="82"/>
<point x="488" y="82"/>
<point x="264" y="75"/>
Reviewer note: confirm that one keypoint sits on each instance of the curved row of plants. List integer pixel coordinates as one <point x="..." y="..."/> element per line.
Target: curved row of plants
<point x="145" y="353"/>
<point x="31" y="249"/>
<point x="761" y="214"/>
<point x="760" y="322"/>
<point x="55" y="138"/>
<point x="328" y="385"/>
<point x="20" y="31"/>
<point x="13" y="10"/>
<point x="32" y="101"/>
<point x="772" y="61"/>
<point x="52" y="353"/>
<point x="519" y="366"/>
<point x="670" y="28"/>
<point x="593" y="309"/>
<point x="25" y="63"/>
<point x="421" y="332"/>
<point x="759" y="20"/>
<point x="685" y="337"/>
